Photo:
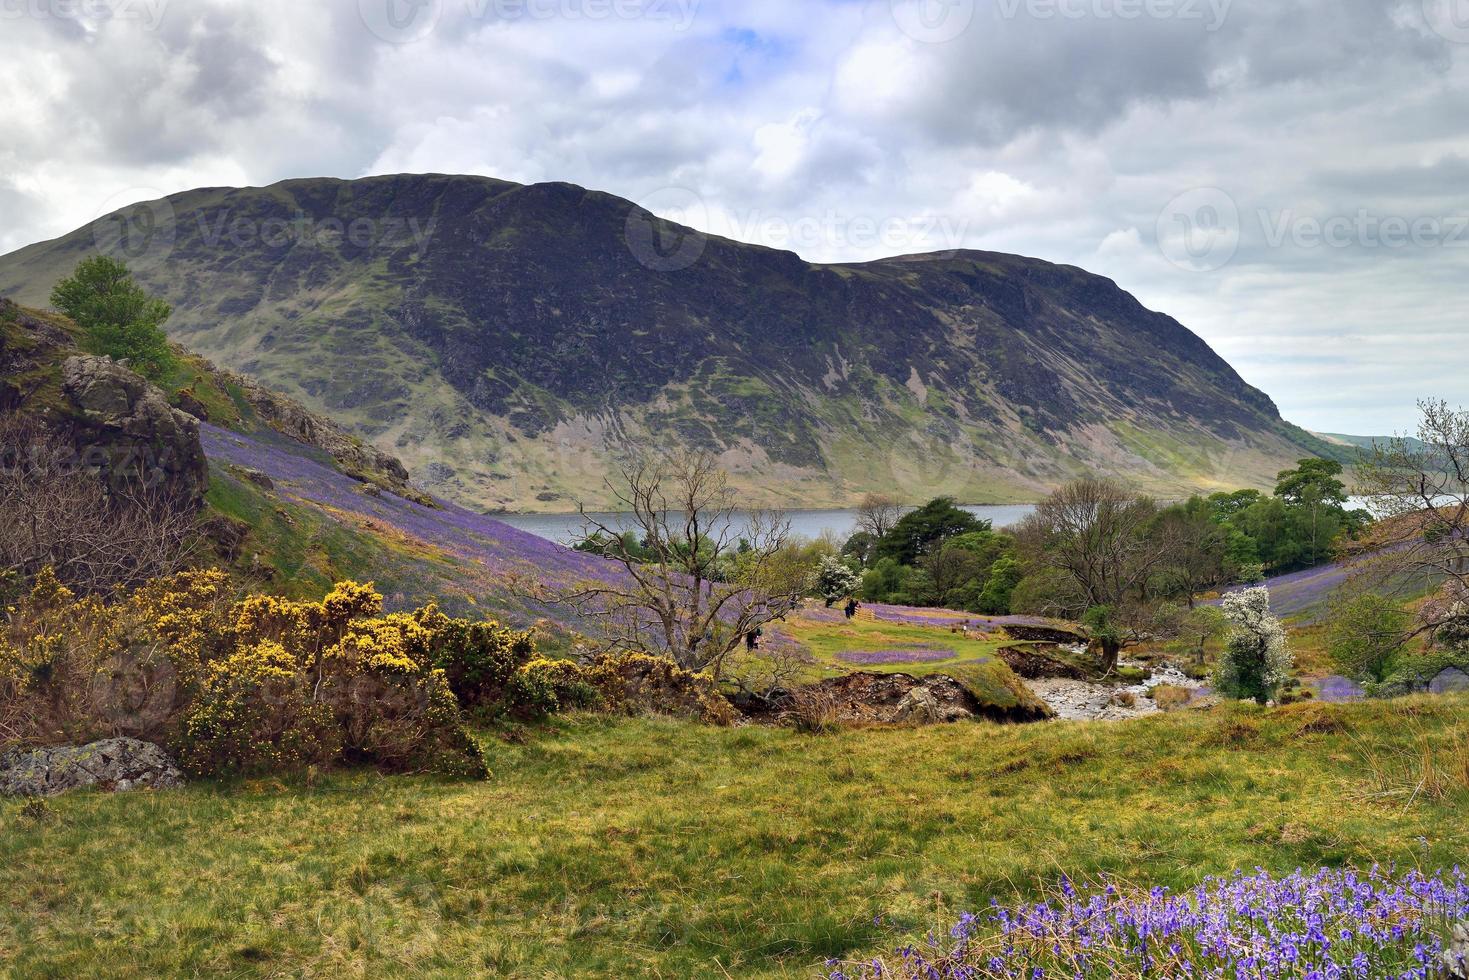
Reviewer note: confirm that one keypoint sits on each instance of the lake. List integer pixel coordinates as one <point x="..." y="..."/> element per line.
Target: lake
<point x="566" y="528"/>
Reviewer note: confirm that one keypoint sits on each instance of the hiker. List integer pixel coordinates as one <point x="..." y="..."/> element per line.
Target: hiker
<point x="752" y="638"/>
<point x="851" y="609"/>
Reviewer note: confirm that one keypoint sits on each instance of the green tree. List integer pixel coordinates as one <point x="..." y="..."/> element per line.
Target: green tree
<point x="1365" y="633"/>
<point x="1005" y="575"/>
<point x="917" y="532"/>
<point x="118" y="318"/>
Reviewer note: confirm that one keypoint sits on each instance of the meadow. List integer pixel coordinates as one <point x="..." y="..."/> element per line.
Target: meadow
<point x="621" y="847"/>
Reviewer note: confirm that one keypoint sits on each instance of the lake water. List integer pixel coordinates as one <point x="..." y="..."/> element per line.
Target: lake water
<point x="566" y="528"/>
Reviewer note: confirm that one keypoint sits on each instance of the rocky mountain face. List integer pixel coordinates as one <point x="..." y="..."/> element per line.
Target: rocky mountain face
<point x="510" y="342"/>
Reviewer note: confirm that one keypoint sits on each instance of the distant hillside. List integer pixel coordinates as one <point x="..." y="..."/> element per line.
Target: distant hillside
<point x="1362" y="442"/>
<point x="509" y="342"/>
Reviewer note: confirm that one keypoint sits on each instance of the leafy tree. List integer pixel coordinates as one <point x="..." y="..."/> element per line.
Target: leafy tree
<point x="1365" y="633"/>
<point x="1005" y="575"/>
<point x="1313" y="487"/>
<point x="1257" y="657"/>
<point x="118" y="318"/>
<point x="836" y="580"/>
<point x="917" y="532"/>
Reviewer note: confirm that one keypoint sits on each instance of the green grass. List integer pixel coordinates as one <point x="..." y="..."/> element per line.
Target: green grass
<point x="660" y="849"/>
<point x="975" y="662"/>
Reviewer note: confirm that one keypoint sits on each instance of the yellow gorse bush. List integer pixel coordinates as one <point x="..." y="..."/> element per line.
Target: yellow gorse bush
<point x="236" y="684"/>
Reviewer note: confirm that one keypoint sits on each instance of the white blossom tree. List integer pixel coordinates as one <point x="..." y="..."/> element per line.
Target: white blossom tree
<point x="1257" y="658"/>
<point x="836" y="581"/>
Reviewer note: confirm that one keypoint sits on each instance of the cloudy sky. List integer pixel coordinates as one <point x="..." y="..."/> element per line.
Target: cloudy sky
<point x="1287" y="177"/>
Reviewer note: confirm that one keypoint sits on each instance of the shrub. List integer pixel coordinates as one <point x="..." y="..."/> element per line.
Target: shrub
<point x="236" y="686"/>
<point x="1365" y="633"/>
<point x="480" y="660"/>
<point x="1414" y="674"/>
<point x="636" y="683"/>
<point x="256" y="715"/>
<point x="544" y="687"/>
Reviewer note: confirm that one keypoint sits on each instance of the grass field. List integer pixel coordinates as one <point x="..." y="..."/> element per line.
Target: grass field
<point x="660" y="849"/>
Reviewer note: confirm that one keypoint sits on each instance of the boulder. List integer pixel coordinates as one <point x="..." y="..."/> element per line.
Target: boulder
<point x="116" y="765"/>
<point x="1455" y="958"/>
<point x="1451" y="681"/>
<point x="125" y="428"/>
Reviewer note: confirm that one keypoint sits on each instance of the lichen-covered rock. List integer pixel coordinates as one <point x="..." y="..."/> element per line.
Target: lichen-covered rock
<point x="125" y="428"/>
<point x="116" y="765"/>
<point x="905" y="699"/>
<point x="1451" y="681"/>
<point x="1455" y="959"/>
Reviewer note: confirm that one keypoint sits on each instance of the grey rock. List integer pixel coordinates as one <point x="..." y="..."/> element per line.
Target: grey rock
<point x="1451" y="681"/>
<point x="127" y="431"/>
<point x="1455" y="959"/>
<point x="115" y="764"/>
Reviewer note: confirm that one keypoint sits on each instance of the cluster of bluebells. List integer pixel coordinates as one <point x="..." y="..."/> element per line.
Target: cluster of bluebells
<point x="1303" y="596"/>
<point x="908" y="655"/>
<point x="1323" y="926"/>
<point x="946" y="618"/>
<point x="481" y="542"/>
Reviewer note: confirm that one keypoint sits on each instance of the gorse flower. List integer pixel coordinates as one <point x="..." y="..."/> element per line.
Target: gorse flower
<point x="1331" y="924"/>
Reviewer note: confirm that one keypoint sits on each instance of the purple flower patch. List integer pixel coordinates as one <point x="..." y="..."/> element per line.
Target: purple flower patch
<point x="906" y="655"/>
<point x="1335" y="923"/>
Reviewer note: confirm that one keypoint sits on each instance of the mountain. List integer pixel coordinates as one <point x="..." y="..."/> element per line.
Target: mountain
<point x="508" y="342"/>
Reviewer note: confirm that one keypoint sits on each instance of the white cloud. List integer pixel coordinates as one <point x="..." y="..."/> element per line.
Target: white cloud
<point x="823" y="126"/>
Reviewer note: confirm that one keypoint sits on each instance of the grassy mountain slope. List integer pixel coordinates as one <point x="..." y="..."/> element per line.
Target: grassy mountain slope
<point x="506" y="341"/>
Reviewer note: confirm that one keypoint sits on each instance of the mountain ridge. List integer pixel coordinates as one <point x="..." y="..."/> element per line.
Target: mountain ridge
<point x="531" y="335"/>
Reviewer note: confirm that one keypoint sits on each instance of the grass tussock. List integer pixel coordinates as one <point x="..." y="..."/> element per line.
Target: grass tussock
<point x="659" y="848"/>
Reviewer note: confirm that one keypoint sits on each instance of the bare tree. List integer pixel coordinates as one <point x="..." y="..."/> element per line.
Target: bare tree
<point x="699" y="584"/>
<point x="878" y="513"/>
<point x="59" y="514"/>
<point x="1418" y="489"/>
<point x="1096" y="536"/>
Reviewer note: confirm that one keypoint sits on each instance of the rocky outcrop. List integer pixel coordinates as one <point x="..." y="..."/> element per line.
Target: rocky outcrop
<point x="116" y="765"/>
<point x="356" y="458"/>
<point x="125" y="429"/>
<point x="1035" y="662"/>
<point x="1046" y="634"/>
<point x="905" y="699"/>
